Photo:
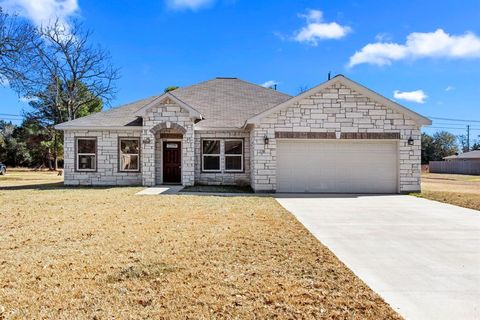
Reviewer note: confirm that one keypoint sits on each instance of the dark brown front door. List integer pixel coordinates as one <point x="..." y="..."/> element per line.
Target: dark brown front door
<point x="172" y="162"/>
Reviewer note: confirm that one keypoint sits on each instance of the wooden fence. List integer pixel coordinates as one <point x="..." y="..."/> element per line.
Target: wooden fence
<point x="455" y="167"/>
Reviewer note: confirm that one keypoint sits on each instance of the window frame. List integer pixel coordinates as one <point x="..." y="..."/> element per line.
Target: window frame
<point x="77" y="154"/>
<point x="219" y="155"/>
<point x="137" y="154"/>
<point x="241" y="156"/>
<point x="222" y="155"/>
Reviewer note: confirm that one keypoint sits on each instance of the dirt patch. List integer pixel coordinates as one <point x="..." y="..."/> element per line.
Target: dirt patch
<point x="460" y="190"/>
<point x="81" y="253"/>
<point x="218" y="189"/>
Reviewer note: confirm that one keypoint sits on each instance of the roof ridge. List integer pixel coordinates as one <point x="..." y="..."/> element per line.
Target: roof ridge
<point x="260" y="86"/>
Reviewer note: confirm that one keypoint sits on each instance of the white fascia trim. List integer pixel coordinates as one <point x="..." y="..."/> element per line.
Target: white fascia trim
<point x="219" y="129"/>
<point x="421" y="120"/>
<point x="193" y="113"/>
<point x="122" y="128"/>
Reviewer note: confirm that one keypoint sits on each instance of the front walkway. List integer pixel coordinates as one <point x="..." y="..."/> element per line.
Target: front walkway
<point x="421" y="256"/>
<point x="162" y="189"/>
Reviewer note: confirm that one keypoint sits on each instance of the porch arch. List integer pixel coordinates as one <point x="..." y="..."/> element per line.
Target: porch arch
<point x="168" y="125"/>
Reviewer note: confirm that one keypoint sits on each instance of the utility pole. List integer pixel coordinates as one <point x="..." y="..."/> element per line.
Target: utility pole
<point x="468" y="137"/>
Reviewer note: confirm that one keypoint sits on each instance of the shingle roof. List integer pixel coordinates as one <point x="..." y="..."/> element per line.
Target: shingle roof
<point x="228" y="102"/>
<point x="123" y="116"/>
<point x="223" y="103"/>
<point x="475" y="154"/>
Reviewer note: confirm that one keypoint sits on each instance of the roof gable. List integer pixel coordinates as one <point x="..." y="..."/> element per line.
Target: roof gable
<point x="421" y="120"/>
<point x="169" y="97"/>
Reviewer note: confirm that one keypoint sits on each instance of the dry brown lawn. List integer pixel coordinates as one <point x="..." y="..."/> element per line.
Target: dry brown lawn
<point x="104" y="253"/>
<point x="460" y="190"/>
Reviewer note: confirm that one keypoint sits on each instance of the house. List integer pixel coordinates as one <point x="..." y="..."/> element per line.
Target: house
<point x="336" y="137"/>
<point x="464" y="163"/>
<point x="466" y="156"/>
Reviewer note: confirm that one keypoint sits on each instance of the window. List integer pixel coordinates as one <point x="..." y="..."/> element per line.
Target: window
<point x="86" y="154"/>
<point x="129" y="154"/>
<point x="231" y="150"/>
<point x="233" y="155"/>
<point x="211" y="155"/>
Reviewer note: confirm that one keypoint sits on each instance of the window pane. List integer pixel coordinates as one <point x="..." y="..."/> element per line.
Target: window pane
<point x="233" y="163"/>
<point x="233" y="147"/>
<point x="129" y="146"/>
<point x="86" y="162"/>
<point x="87" y="146"/>
<point x="129" y="162"/>
<point x="211" y="163"/>
<point x="211" y="147"/>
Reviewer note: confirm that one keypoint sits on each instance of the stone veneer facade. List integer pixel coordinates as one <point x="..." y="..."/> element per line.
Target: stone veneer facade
<point x="107" y="172"/>
<point x="222" y="178"/>
<point x="337" y="110"/>
<point x="167" y="116"/>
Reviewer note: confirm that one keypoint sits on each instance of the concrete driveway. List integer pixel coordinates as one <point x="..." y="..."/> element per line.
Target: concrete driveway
<point x="421" y="256"/>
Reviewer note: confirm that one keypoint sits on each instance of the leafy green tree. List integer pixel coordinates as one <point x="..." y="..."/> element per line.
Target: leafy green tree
<point x="428" y="148"/>
<point x="170" y="88"/>
<point x="445" y="144"/>
<point x="49" y="110"/>
<point x="476" y="145"/>
<point x="13" y="150"/>
<point x="438" y="146"/>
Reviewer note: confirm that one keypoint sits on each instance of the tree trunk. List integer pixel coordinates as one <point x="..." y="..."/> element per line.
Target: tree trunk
<point x="49" y="156"/>
<point x="55" y="153"/>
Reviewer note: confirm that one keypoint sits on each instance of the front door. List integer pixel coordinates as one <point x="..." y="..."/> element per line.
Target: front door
<point x="172" y="162"/>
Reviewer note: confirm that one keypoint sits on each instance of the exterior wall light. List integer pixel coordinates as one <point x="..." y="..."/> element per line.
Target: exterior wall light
<point x="146" y="140"/>
<point x="410" y="141"/>
<point x="266" y="140"/>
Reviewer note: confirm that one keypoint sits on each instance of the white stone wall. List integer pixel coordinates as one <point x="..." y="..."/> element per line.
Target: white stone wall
<point x="107" y="172"/>
<point x="335" y="109"/>
<point x="169" y="113"/>
<point x="222" y="178"/>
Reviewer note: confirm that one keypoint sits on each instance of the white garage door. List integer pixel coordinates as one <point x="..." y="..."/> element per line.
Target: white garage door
<point x="337" y="166"/>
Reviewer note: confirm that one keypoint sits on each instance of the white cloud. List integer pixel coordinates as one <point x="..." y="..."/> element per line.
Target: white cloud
<point x="383" y="36"/>
<point x="4" y="82"/>
<point x="449" y="88"/>
<point x="188" y="4"/>
<point x="270" y="84"/>
<point x="42" y="11"/>
<point x="316" y="29"/>
<point x="419" y="45"/>
<point x="417" y="96"/>
<point x="27" y="99"/>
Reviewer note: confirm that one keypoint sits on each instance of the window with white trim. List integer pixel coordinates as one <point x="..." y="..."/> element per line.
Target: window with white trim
<point x="129" y="154"/>
<point x="230" y="150"/>
<point x="211" y="155"/>
<point x="233" y="155"/>
<point x="86" y="154"/>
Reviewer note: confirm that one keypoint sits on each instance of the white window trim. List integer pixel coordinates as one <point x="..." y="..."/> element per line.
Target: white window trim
<point x="86" y="154"/>
<point x="120" y="153"/>
<point x="225" y="155"/>
<point x="219" y="155"/>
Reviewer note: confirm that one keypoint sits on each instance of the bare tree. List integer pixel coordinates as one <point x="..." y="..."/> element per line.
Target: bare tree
<point x="302" y="89"/>
<point x="16" y="39"/>
<point x="64" y="56"/>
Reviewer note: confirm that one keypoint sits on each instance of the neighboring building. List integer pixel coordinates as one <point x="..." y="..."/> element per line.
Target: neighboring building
<point x="466" y="156"/>
<point x="464" y="163"/>
<point x="336" y="137"/>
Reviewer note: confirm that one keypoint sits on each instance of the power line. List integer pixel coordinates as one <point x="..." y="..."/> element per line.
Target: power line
<point x="462" y="128"/>
<point x="10" y="115"/>
<point x="457" y="120"/>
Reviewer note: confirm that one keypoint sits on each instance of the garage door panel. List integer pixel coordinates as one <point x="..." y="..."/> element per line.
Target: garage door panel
<point x="337" y="166"/>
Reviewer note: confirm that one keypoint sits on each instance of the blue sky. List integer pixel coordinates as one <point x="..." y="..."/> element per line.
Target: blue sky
<point x="423" y="54"/>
